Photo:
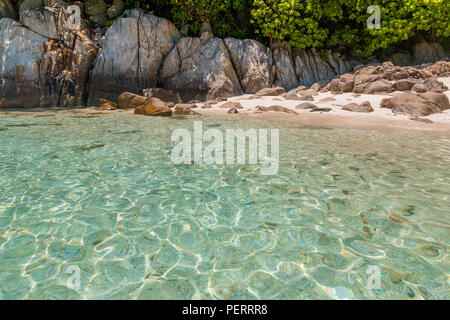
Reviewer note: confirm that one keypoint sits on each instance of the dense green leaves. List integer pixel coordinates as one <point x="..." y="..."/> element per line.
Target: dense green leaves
<point x="335" y="24"/>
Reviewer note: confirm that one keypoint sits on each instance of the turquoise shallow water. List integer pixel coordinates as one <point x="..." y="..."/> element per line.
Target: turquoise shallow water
<point x="138" y="226"/>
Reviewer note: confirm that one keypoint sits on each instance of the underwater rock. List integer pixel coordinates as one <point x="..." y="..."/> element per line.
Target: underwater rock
<point x="89" y="147"/>
<point x="397" y="218"/>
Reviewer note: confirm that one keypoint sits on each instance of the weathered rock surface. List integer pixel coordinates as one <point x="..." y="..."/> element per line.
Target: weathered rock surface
<point x="383" y="79"/>
<point x="320" y="110"/>
<point x="29" y="4"/>
<point x="182" y="111"/>
<point x="428" y="52"/>
<point x="21" y="51"/>
<point x="49" y="22"/>
<point x="433" y="84"/>
<point x="162" y="94"/>
<point x="95" y="7"/>
<point x="45" y="67"/>
<point x="200" y="70"/>
<point x="421" y="104"/>
<point x="7" y="9"/>
<point x="268" y="92"/>
<point x="116" y="8"/>
<point x="310" y="68"/>
<point x="306" y="105"/>
<point x="284" y="67"/>
<point x="233" y="111"/>
<point x="132" y="52"/>
<point x="439" y="69"/>
<point x="128" y="100"/>
<point x="106" y="105"/>
<point x="403" y="85"/>
<point x="154" y="107"/>
<point x="419" y="88"/>
<point x="252" y="62"/>
<point x="376" y="87"/>
<point x="401" y="59"/>
<point x="363" y="107"/>
<point x="344" y="83"/>
<point x="276" y="109"/>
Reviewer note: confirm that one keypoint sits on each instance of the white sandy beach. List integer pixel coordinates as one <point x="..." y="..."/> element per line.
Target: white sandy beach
<point x="381" y="117"/>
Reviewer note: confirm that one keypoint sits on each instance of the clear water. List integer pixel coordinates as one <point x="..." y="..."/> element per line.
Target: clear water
<point x="139" y="227"/>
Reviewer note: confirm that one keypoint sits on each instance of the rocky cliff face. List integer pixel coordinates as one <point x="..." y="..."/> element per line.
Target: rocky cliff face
<point x="45" y="63"/>
<point x="132" y="52"/>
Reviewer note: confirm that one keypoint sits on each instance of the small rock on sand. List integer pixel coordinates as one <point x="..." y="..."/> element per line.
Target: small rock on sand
<point x="233" y="111"/>
<point x="363" y="107"/>
<point x="421" y="120"/>
<point x="276" y="109"/>
<point x="306" y="105"/>
<point x="276" y="91"/>
<point x="321" y="110"/>
<point x="329" y="99"/>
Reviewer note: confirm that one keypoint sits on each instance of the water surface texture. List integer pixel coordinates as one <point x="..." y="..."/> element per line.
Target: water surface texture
<point x="100" y="193"/>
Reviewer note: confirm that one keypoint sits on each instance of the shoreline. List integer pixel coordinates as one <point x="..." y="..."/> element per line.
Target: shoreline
<point x="349" y="120"/>
<point x="381" y="119"/>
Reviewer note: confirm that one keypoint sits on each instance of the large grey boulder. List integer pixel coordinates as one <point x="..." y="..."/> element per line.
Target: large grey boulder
<point x="30" y="4"/>
<point x="43" y="63"/>
<point x="284" y="67"/>
<point x="162" y="94"/>
<point x="200" y="70"/>
<point x="132" y="52"/>
<point x="7" y="9"/>
<point x="74" y="84"/>
<point x="310" y="68"/>
<point x="21" y="51"/>
<point x="337" y="63"/>
<point x="42" y="21"/>
<point x="401" y="59"/>
<point x="425" y="52"/>
<point x="95" y="7"/>
<point x="252" y="62"/>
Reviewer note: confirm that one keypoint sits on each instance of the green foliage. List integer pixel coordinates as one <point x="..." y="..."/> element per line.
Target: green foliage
<point x="332" y="24"/>
<point x="342" y="24"/>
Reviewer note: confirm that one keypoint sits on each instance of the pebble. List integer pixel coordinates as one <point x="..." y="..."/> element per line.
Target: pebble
<point x="430" y="251"/>
<point x="395" y="276"/>
<point x="409" y="211"/>
<point x="397" y="218"/>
